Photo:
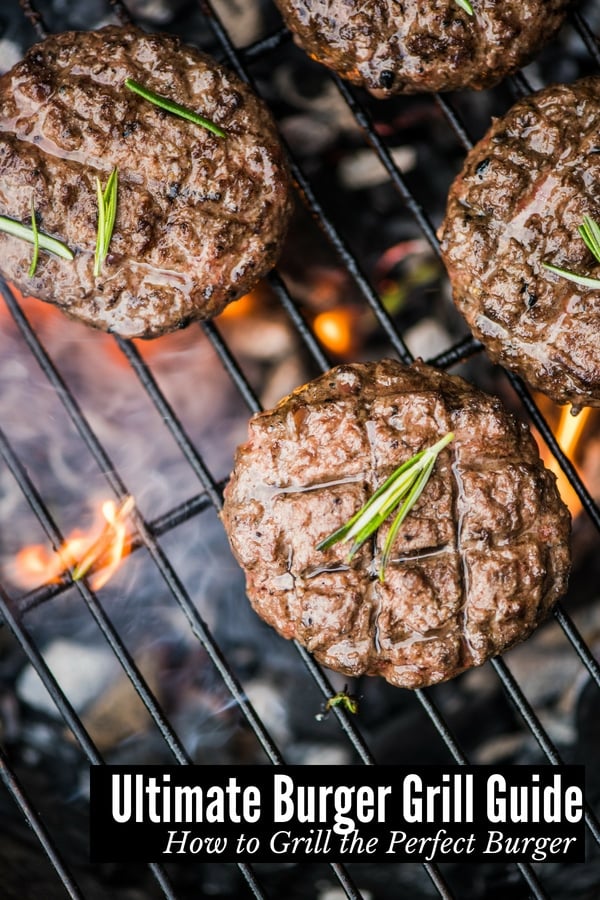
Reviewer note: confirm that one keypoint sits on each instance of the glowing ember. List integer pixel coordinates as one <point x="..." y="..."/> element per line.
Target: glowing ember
<point x="242" y="307"/>
<point x="101" y="552"/>
<point x="336" y="329"/>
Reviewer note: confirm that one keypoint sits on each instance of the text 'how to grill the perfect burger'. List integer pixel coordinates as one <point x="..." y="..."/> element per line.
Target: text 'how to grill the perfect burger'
<point x="263" y="814"/>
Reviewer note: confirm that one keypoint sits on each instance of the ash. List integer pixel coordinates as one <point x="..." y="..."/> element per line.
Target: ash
<point x="355" y="191"/>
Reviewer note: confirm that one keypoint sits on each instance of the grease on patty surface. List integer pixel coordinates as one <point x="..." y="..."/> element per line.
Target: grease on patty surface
<point x="478" y="563"/>
<point x="395" y="47"/>
<point x="200" y="218"/>
<point x="517" y="204"/>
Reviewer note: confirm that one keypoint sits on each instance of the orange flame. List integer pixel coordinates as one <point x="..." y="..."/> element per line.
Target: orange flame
<point x="80" y="553"/>
<point x="568" y="434"/>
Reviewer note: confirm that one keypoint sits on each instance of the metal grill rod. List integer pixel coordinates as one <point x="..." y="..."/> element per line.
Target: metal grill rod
<point x="459" y="756"/>
<point x="103" y="622"/>
<point x="66" y="710"/>
<point x="168" y="573"/>
<point x="114" y="480"/>
<point x="535" y="726"/>
<point x="41" y="832"/>
<point x="338" y="243"/>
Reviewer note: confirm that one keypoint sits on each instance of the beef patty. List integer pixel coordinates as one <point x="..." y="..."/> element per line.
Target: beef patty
<point x="422" y="45"/>
<point x="200" y="218"/>
<point x="477" y="564"/>
<point x="523" y="192"/>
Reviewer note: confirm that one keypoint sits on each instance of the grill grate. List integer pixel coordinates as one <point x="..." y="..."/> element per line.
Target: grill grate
<point x="14" y="609"/>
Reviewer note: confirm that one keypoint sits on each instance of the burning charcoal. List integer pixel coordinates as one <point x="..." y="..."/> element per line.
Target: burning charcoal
<point x="427" y="338"/>
<point x="158" y="12"/>
<point x="82" y="671"/>
<point x="363" y="168"/>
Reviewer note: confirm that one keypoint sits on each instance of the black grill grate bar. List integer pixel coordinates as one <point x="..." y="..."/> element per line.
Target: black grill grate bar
<point x="266" y="44"/>
<point x="365" y="120"/>
<point x="458" y="353"/>
<point x="587" y="501"/>
<point x="66" y="710"/>
<point x="321" y="217"/>
<point x="454" y="120"/>
<point x="169" y="417"/>
<point x="580" y="646"/>
<point x="459" y="757"/>
<point x="311" y="343"/>
<point x="344" y="719"/>
<point x="516" y="695"/>
<point x="35" y="19"/>
<point x="102" y="621"/>
<point x="231" y="367"/>
<point x="589" y="40"/>
<point x="41" y="832"/>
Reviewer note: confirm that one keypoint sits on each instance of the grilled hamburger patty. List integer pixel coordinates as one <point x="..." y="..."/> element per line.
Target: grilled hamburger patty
<point x="200" y="218"/>
<point x="477" y="564"/>
<point x="517" y="204"/>
<point x="422" y="45"/>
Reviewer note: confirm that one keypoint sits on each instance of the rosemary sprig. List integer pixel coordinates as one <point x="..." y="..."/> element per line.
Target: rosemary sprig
<point x="348" y="701"/>
<point x="43" y="241"/>
<point x="36" y="242"/>
<point x="342" y="698"/>
<point x="464" y="4"/>
<point x="590" y="232"/>
<point x="107" y="211"/>
<point x="404" y="486"/>
<point x="171" y="106"/>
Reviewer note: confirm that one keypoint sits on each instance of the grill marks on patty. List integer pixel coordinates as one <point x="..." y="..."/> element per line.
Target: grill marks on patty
<point x="200" y="218"/>
<point x="517" y="204"/>
<point x="422" y="45"/>
<point x="478" y="563"/>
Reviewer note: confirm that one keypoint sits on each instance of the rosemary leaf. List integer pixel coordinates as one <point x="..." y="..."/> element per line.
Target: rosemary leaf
<point x="404" y="486"/>
<point x="342" y="698"/>
<point x="107" y="212"/>
<point x="590" y="232"/>
<point x="44" y="241"/>
<point x="36" y="242"/>
<point x="171" y="106"/>
<point x="412" y="497"/>
<point x="464" y="4"/>
<point x="583" y="280"/>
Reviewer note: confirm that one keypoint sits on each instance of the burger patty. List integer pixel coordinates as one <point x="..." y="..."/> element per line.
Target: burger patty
<point x="477" y="564"/>
<point x="422" y="45"/>
<point x="517" y="205"/>
<point x="200" y="218"/>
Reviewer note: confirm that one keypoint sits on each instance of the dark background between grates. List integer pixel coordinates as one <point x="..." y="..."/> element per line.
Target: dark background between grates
<point x="14" y="609"/>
